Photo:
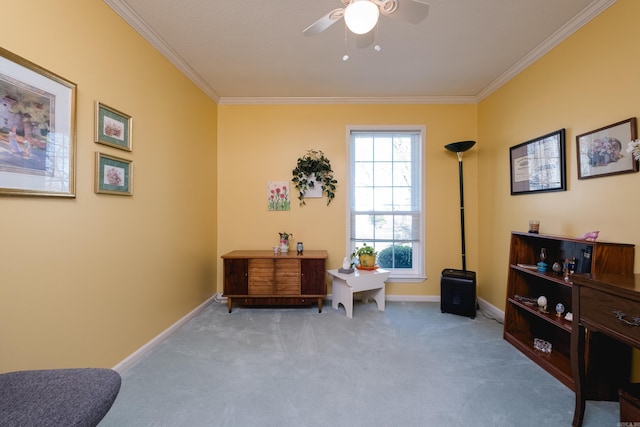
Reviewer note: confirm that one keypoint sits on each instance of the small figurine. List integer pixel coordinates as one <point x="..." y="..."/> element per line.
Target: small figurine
<point x="559" y="309"/>
<point x="346" y="266"/>
<point x="590" y="236"/>
<point x="542" y="303"/>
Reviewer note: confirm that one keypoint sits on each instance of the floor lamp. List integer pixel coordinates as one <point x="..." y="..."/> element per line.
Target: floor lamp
<point x="459" y="148"/>
<point x="458" y="287"/>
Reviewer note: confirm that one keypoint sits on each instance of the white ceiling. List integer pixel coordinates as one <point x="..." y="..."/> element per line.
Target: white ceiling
<point x="242" y="51"/>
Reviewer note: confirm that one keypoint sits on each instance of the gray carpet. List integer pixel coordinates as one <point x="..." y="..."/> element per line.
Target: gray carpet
<point x="410" y="365"/>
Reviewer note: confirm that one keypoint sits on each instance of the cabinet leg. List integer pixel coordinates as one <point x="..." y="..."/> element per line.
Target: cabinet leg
<point x="320" y="305"/>
<point x="229" y="304"/>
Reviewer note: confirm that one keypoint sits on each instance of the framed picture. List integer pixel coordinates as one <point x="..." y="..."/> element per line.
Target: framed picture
<point x="37" y="130"/>
<point x="602" y="152"/>
<point x="538" y="165"/>
<point x="113" y="127"/>
<point x="113" y="175"/>
<point x="278" y="196"/>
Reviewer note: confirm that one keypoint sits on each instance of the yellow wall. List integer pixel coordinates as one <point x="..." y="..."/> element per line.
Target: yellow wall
<point x="262" y="143"/>
<point x="87" y="281"/>
<point x="588" y="81"/>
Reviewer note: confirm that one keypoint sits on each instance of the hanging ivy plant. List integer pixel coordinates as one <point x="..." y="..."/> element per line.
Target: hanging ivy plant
<point x="314" y="165"/>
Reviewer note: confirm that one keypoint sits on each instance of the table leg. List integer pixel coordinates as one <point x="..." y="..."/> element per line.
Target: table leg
<point x="578" y="365"/>
<point x="320" y="305"/>
<point x="342" y="294"/>
<point x="229" y="304"/>
<point x="379" y="297"/>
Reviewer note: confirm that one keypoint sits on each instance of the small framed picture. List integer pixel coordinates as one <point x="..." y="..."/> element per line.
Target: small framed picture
<point x="602" y="152"/>
<point x="113" y="175"/>
<point x="113" y="127"/>
<point x="538" y="165"/>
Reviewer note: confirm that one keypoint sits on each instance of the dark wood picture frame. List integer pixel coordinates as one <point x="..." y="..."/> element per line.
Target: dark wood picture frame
<point x="602" y="152"/>
<point x="539" y="165"/>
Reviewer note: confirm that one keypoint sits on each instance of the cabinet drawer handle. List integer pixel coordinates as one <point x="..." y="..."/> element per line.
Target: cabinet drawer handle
<point x="620" y="316"/>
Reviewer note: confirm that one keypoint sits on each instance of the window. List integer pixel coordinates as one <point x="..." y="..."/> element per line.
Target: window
<point x="385" y="207"/>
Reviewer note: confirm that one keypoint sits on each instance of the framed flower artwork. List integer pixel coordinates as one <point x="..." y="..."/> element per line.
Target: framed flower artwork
<point x="113" y="175"/>
<point x="602" y="152"/>
<point x="278" y="196"/>
<point x="113" y="127"/>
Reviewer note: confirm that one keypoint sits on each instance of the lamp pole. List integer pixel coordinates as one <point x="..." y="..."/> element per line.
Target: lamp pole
<point x="459" y="148"/>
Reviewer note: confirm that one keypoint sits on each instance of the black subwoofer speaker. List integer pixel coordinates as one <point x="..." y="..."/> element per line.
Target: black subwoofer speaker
<point x="458" y="292"/>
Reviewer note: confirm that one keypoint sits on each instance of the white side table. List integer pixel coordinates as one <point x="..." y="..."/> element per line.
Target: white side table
<point x="371" y="283"/>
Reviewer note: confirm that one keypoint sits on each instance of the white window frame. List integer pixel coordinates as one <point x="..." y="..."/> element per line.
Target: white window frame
<point x="417" y="273"/>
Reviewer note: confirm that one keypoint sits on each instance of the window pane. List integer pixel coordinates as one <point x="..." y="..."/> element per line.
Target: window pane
<point x="382" y="199"/>
<point x="363" y="199"/>
<point x="402" y="199"/>
<point x="363" y="225"/>
<point x="383" y="148"/>
<point x="383" y="174"/>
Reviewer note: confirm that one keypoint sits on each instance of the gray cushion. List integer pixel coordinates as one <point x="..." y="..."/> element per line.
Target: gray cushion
<point x="58" y="397"/>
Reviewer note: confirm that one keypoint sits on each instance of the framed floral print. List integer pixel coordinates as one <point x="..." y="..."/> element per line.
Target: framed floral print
<point x="113" y="175"/>
<point x="601" y="153"/>
<point x="113" y="127"/>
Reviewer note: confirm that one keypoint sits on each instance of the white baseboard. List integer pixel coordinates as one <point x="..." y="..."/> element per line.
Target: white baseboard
<point x="491" y="310"/>
<point x="149" y="346"/>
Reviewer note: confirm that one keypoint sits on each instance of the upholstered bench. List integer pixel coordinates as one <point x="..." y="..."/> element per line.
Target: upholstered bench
<point x="57" y="397"/>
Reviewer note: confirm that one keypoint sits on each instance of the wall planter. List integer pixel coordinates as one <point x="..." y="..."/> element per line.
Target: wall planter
<point x="311" y="170"/>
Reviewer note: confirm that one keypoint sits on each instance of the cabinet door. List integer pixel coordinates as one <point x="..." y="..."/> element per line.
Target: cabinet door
<point x="261" y="276"/>
<point x="313" y="277"/>
<point x="287" y="277"/>
<point x="235" y="277"/>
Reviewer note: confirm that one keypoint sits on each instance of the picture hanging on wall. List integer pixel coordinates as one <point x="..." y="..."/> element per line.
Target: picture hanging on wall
<point x="113" y="128"/>
<point x="37" y="130"/>
<point x="113" y="175"/>
<point x="278" y="196"/>
<point x="538" y="165"/>
<point x="602" y="152"/>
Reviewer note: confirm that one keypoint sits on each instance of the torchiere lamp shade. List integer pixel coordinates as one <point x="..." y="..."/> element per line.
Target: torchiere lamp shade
<point x="459" y="147"/>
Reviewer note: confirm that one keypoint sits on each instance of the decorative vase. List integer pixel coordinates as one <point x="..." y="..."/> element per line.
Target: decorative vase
<point x="284" y="246"/>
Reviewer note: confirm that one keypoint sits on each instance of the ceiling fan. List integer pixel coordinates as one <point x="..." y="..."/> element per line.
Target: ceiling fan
<point x="361" y="16"/>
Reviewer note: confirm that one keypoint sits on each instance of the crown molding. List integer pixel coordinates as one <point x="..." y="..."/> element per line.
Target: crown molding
<point x="577" y="22"/>
<point x="138" y="24"/>
<point x="347" y="100"/>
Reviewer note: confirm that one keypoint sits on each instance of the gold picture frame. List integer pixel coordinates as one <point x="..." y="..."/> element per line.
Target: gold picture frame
<point x="113" y="127"/>
<point x="37" y="130"/>
<point x="114" y="175"/>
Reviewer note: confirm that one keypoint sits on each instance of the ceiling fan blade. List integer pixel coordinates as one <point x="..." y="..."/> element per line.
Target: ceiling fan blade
<point x="412" y="11"/>
<point x="323" y="23"/>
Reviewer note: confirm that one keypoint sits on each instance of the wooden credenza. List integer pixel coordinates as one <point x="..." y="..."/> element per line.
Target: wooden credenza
<point x="254" y="277"/>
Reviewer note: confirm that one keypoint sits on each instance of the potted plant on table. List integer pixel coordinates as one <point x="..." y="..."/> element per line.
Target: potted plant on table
<point x="314" y="168"/>
<point x="366" y="256"/>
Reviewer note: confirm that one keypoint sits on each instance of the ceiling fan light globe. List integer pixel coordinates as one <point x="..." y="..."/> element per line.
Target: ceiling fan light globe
<point x="361" y="16"/>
